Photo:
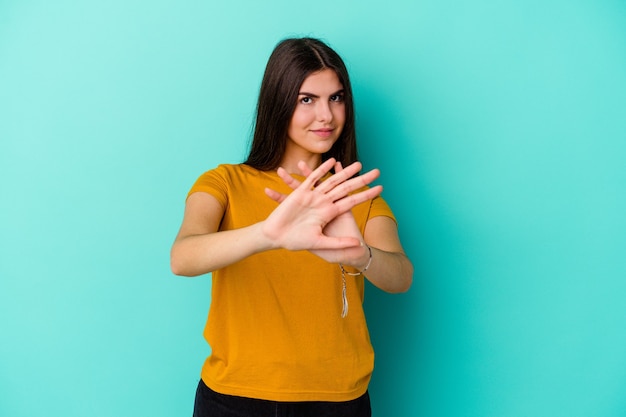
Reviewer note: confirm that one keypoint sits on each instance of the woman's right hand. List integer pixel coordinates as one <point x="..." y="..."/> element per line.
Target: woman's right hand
<point x="299" y="220"/>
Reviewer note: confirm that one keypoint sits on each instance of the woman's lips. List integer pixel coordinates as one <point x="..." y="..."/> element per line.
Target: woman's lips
<point x="324" y="133"/>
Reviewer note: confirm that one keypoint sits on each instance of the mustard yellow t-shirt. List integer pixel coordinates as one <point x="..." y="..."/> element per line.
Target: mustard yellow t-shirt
<point x="275" y="326"/>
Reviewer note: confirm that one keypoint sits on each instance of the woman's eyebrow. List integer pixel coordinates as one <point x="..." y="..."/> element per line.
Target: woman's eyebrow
<point x="304" y="93"/>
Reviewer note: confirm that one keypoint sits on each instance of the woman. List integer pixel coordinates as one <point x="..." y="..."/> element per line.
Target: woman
<point x="289" y="236"/>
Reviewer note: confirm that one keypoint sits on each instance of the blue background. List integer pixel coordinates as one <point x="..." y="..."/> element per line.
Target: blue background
<point x="500" y="131"/>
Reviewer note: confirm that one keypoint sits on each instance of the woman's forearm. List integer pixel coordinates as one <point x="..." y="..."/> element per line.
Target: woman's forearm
<point x="195" y="255"/>
<point x="390" y="271"/>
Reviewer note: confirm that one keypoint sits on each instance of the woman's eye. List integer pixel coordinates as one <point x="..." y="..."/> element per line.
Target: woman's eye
<point x="337" y="97"/>
<point x="306" y="100"/>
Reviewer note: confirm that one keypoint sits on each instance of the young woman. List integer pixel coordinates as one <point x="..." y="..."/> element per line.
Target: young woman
<point x="289" y="236"/>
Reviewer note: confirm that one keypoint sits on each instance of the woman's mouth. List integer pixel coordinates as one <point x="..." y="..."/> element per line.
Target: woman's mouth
<point x="324" y="133"/>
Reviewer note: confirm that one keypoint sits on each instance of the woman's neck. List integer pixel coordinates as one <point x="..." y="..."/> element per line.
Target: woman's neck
<point x="290" y="163"/>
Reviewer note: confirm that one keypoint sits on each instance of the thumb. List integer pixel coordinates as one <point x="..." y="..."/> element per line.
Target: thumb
<point x="327" y="242"/>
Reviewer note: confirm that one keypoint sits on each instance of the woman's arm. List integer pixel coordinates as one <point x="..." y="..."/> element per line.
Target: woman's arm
<point x="199" y="248"/>
<point x="390" y="268"/>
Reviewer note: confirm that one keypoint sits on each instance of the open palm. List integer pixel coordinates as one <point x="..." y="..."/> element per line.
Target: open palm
<point x="318" y="218"/>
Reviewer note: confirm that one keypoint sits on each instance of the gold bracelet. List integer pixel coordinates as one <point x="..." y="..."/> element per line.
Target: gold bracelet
<point x="344" y="297"/>
<point x="356" y="274"/>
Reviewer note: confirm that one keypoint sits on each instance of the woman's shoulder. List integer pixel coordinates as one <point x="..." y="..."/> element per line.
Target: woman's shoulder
<point x="230" y="169"/>
<point x="240" y="170"/>
<point x="237" y="172"/>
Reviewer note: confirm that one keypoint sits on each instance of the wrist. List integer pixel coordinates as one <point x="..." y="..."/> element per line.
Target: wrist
<point x="368" y="259"/>
<point x="264" y="240"/>
<point x="363" y="264"/>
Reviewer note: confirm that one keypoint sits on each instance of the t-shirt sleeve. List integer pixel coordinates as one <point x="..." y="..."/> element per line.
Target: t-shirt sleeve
<point x="213" y="182"/>
<point x="379" y="207"/>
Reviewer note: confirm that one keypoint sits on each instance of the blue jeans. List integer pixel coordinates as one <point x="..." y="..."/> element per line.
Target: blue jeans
<point x="212" y="404"/>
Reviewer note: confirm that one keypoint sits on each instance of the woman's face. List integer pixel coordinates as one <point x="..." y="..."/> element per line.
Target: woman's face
<point x="319" y="116"/>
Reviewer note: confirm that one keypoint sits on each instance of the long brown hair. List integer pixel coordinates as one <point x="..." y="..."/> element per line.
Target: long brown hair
<point x="288" y="66"/>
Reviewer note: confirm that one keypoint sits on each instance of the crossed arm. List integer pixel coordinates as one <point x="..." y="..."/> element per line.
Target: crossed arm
<point x="312" y="217"/>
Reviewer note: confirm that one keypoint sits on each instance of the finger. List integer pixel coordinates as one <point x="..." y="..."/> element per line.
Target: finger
<point x="326" y="242"/>
<point x="353" y="184"/>
<point x="275" y="195"/>
<point x="318" y="173"/>
<point x="340" y="177"/>
<point x="304" y="169"/>
<point x="287" y="178"/>
<point x="348" y="202"/>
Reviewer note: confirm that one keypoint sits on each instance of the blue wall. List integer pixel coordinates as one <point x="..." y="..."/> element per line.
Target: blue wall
<point x="500" y="130"/>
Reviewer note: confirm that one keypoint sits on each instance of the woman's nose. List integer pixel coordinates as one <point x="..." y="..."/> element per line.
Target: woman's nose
<point x="324" y="113"/>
